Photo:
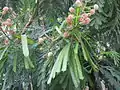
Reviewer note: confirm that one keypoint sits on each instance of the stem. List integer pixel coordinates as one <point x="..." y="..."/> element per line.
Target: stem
<point x="77" y="16"/>
<point x="44" y="29"/>
<point x="5" y="34"/>
<point x="31" y="18"/>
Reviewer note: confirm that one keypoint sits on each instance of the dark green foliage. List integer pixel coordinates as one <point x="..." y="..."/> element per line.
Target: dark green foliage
<point x="105" y="28"/>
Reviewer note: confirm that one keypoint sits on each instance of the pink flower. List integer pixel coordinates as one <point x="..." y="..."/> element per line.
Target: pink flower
<point x="71" y="9"/>
<point x="84" y="15"/>
<point x="5" y="9"/>
<point x="87" y="21"/>
<point x="84" y="19"/>
<point x="69" y="19"/>
<point x="70" y="16"/>
<point x="6" y="23"/>
<point x="9" y="20"/>
<point x="81" y="19"/>
<point x="66" y="34"/>
<point x="92" y="11"/>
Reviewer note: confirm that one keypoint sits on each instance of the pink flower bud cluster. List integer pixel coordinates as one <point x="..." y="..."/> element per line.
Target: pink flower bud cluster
<point x="84" y="19"/>
<point x="69" y="19"/>
<point x="8" y="22"/>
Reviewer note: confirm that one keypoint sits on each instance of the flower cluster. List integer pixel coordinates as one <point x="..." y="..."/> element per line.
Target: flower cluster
<point x="84" y="18"/>
<point x="6" y="24"/>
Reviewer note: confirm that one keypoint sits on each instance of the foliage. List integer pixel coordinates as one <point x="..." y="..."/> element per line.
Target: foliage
<point x="61" y="57"/>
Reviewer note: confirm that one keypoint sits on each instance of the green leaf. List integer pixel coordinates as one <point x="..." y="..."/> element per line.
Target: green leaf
<point x="74" y="79"/>
<point x="25" y="45"/>
<point x="58" y="64"/>
<point x="30" y="63"/>
<point x="15" y="63"/>
<point x="59" y="31"/>
<point x="79" y="68"/>
<point x="83" y="49"/>
<point x="30" y="41"/>
<point x="26" y="63"/>
<point x="78" y="65"/>
<point x="66" y="58"/>
<point x="3" y="53"/>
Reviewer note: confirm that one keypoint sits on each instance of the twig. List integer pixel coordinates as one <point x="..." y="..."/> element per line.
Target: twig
<point x="28" y="24"/>
<point x="43" y="27"/>
<point x="31" y="18"/>
<point x="5" y="33"/>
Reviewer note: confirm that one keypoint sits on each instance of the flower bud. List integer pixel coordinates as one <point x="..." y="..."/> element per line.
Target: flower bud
<point x="50" y="54"/>
<point x="78" y="3"/>
<point x="81" y="19"/>
<point x="66" y="34"/>
<point x="5" y="9"/>
<point x="44" y="38"/>
<point x="40" y="40"/>
<point x="96" y="7"/>
<point x="92" y="11"/>
<point x="71" y="9"/>
<point x="9" y="20"/>
<point x="86" y="21"/>
<point x="84" y="15"/>
<point x="69" y="19"/>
